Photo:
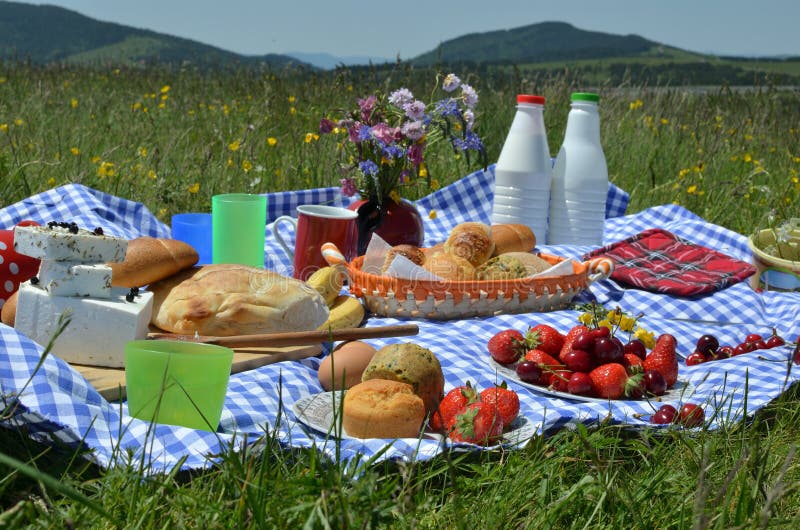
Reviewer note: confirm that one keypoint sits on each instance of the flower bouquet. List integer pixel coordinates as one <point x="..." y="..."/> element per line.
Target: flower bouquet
<point x="385" y="143"/>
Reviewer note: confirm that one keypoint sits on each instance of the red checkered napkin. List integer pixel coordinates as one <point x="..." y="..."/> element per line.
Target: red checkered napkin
<point x="659" y="261"/>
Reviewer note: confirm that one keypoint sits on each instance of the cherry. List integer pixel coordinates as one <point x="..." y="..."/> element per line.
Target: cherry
<point x="636" y="347"/>
<point x="695" y="358"/>
<point x="654" y="382"/>
<point x="744" y="347"/>
<point x="607" y="351"/>
<point x="580" y="384"/>
<point x="578" y="360"/>
<point x="723" y="352"/>
<point x="753" y="337"/>
<point x="691" y="415"/>
<point x="560" y="379"/>
<point x="707" y="344"/>
<point x="584" y="341"/>
<point x="601" y="332"/>
<point x="775" y="341"/>
<point x="530" y="372"/>
<point x="665" y="415"/>
<point x="796" y="352"/>
<point x="759" y="344"/>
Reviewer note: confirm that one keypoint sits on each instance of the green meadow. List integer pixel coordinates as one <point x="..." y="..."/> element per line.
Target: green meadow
<point x="173" y="138"/>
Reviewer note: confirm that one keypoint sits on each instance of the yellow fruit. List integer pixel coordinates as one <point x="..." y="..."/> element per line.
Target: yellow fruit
<point x="328" y="282"/>
<point x="346" y="312"/>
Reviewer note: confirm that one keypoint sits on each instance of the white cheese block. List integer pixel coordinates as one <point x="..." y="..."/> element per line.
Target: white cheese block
<point x="59" y="244"/>
<point x="98" y="331"/>
<point x="70" y="278"/>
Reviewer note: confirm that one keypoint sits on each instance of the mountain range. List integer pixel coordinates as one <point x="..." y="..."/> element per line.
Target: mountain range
<point x="45" y="34"/>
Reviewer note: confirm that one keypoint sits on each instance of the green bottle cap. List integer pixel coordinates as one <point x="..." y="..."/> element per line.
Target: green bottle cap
<point x="585" y="96"/>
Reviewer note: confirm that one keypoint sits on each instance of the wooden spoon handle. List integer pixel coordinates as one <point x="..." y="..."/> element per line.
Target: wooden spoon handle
<point x="297" y="338"/>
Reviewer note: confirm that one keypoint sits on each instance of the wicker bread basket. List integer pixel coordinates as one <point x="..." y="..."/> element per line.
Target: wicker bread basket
<point x="444" y="300"/>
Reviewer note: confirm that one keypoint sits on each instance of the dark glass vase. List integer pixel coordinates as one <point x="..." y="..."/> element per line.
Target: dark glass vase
<point x="396" y="223"/>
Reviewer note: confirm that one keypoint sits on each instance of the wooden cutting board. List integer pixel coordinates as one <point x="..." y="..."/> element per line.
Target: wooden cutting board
<point x="110" y="382"/>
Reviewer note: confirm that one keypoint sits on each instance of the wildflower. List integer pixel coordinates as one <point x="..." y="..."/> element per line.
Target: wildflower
<point x="648" y="337"/>
<point x="194" y="188"/>
<point x="291" y="99"/>
<point x="51" y="182"/>
<point x="326" y="126"/>
<point x="401" y="97"/>
<point x="75" y="151"/>
<point x="246" y="165"/>
<point x="413" y="129"/>
<point x="633" y="105"/>
<point x="96" y="159"/>
<point x="292" y="110"/>
<point x="164" y="89"/>
<point x="4" y="127"/>
<point x="152" y="174"/>
<point x="310" y="137"/>
<point x="234" y="146"/>
<point x="415" y="110"/>
<point x="469" y="95"/>
<point x="664" y="121"/>
<point x="143" y="152"/>
<point x="272" y="142"/>
<point x="18" y="122"/>
<point x="451" y="82"/>
<point x="73" y="103"/>
<point x="348" y="187"/>
<point x="368" y="167"/>
<point x="106" y="169"/>
<point x="691" y="189"/>
<point x="432" y="214"/>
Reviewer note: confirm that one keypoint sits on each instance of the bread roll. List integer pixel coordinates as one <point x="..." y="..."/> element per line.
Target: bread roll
<point x="450" y="267"/>
<point x="230" y="299"/>
<point x="379" y="408"/>
<point x="471" y="241"/>
<point x="8" y="312"/>
<point x="411" y="252"/>
<point x="150" y="259"/>
<point x="512" y="238"/>
<point x="532" y="262"/>
<point x="502" y="267"/>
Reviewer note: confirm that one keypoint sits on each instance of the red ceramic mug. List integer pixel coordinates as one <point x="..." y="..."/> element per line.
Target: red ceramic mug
<point x="317" y="224"/>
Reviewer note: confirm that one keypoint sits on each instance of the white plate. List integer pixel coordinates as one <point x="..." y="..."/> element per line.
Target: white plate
<point x="681" y="389"/>
<point x="321" y="412"/>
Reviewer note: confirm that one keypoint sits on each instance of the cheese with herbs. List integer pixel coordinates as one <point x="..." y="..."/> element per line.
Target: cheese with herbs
<point x="59" y="243"/>
<point x="69" y="278"/>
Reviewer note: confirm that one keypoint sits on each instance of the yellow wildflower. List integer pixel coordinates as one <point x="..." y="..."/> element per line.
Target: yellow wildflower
<point x="152" y="174"/>
<point x="692" y="189"/>
<point x="164" y="89"/>
<point x="635" y="104"/>
<point x="664" y="121"/>
<point x="162" y="212"/>
<point x="162" y="105"/>
<point x="291" y="99"/>
<point x="272" y="142"/>
<point x="648" y="337"/>
<point x="136" y="106"/>
<point x="747" y="157"/>
<point x="95" y="159"/>
<point x="143" y="152"/>
<point x="292" y="110"/>
<point x="246" y="165"/>
<point x="585" y="318"/>
<point x="164" y="97"/>
<point x="349" y="88"/>
<point x="626" y="323"/>
<point x="19" y="121"/>
<point x="73" y="103"/>
<point x="106" y="169"/>
<point x="395" y="196"/>
<point x="311" y="137"/>
<point x="2" y="79"/>
<point x="229" y="163"/>
<point x="423" y="170"/>
<point x="194" y="188"/>
<point x="605" y="323"/>
<point x="4" y="127"/>
<point x="278" y="172"/>
<point x="51" y="181"/>
<point x="435" y="185"/>
<point x="432" y="214"/>
<point x="234" y="146"/>
<point x="683" y="172"/>
<point x="75" y="151"/>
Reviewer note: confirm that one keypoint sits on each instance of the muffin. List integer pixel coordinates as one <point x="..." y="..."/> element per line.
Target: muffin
<point x="381" y="408"/>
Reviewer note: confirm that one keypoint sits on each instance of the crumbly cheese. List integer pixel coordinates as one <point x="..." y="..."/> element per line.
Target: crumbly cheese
<point x="98" y="330"/>
<point x="59" y="244"/>
<point x="70" y="278"/>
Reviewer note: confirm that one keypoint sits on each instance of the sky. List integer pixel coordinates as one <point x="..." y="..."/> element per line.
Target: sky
<point x="380" y="28"/>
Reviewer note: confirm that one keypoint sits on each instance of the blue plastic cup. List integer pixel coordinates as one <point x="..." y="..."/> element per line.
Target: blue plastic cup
<point x="194" y="229"/>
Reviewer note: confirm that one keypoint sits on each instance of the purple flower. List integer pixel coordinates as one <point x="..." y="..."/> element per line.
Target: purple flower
<point x="363" y="133"/>
<point x="469" y="117"/>
<point x="354" y="131"/>
<point x="470" y="141"/>
<point x="414" y="110"/>
<point x="448" y="107"/>
<point x="393" y="151"/>
<point x="348" y="187"/>
<point x="383" y="133"/>
<point x="325" y="126"/>
<point x="368" y="167"/>
<point x="469" y="95"/>
<point x="413" y="130"/>
<point x="415" y="154"/>
<point x="367" y="107"/>
<point x="401" y="97"/>
<point x="451" y="82"/>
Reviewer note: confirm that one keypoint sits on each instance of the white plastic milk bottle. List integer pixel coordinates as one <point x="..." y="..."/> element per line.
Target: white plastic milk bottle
<point x="523" y="173"/>
<point x="580" y="178"/>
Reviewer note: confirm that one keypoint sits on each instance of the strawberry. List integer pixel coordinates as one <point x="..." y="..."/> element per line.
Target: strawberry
<point x="480" y="423"/>
<point x="567" y="344"/>
<point x="454" y="402"/>
<point x="632" y="363"/>
<point x="506" y="401"/>
<point x="546" y="362"/>
<point x="611" y="381"/>
<point x="506" y="346"/>
<point x="547" y="338"/>
<point x="663" y="359"/>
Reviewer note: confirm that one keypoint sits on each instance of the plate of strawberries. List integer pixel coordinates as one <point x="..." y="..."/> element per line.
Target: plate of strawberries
<point x="589" y="363"/>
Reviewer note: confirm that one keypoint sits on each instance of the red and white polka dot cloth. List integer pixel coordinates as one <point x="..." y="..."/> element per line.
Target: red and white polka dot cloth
<point x="14" y="268"/>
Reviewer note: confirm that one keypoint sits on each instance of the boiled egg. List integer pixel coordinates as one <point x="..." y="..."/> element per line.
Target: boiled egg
<point x="344" y="366"/>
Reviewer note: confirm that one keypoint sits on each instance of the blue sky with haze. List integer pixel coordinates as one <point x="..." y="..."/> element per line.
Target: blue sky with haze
<point x="386" y="29"/>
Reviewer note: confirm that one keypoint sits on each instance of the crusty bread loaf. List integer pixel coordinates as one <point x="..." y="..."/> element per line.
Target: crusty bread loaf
<point x="230" y="299"/>
<point x="411" y="252"/>
<point x="471" y="241"/>
<point x="512" y="238"/>
<point x="532" y="262"/>
<point x="449" y="267"/>
<point x="379" y="408"/>
<point x="9" y="311"/>
<point x="150" y="259"/>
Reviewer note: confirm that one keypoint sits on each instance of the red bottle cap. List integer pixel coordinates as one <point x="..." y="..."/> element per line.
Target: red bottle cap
<point x="528" y="98"/>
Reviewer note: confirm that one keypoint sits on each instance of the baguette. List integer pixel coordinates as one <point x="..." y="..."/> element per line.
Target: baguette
<point x="151" y="259"/>
<point x="512" y="238"/>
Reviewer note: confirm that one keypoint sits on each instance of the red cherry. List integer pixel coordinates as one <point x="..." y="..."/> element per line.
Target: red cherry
<point x="796" y="352"/>
<point x="530" y="372"/>
<point x="578" y="361"/>
<point x="560" y="380"/>
<point x="775" y="341"/>
<point x="695" y="358"/>
<point x="723" y="352"/>
<point x="707" y="344"/>
<point x="599" y="333"/>
<point x="752" y="337"/>
<point x="584" y="341"/>
<point x="636" y="347"/>
<point x="665" y="415"/>
<point x="654" y="382"/>
<point x="580" y="384"/>
<point x="607" y="351"/>
<point x="759" y="344"/>
<point x="691" y="415"/>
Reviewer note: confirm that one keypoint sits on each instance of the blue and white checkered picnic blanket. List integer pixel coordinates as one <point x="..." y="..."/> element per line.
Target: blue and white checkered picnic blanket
<point x="55" y="402"/>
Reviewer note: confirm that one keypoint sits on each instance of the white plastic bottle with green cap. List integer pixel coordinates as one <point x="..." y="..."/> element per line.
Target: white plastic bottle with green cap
<point x="580" y="178"/>
<point x="523" y="173"/>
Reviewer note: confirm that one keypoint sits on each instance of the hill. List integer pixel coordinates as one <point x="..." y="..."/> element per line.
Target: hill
<point x="46" y="34"/>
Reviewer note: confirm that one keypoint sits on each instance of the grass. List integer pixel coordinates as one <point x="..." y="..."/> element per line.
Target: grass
<point x="172" y="139"/>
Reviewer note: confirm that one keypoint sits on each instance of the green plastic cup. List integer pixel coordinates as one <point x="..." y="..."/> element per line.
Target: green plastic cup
<point x="238" y="228"/>
<point x="176" y="382"/>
